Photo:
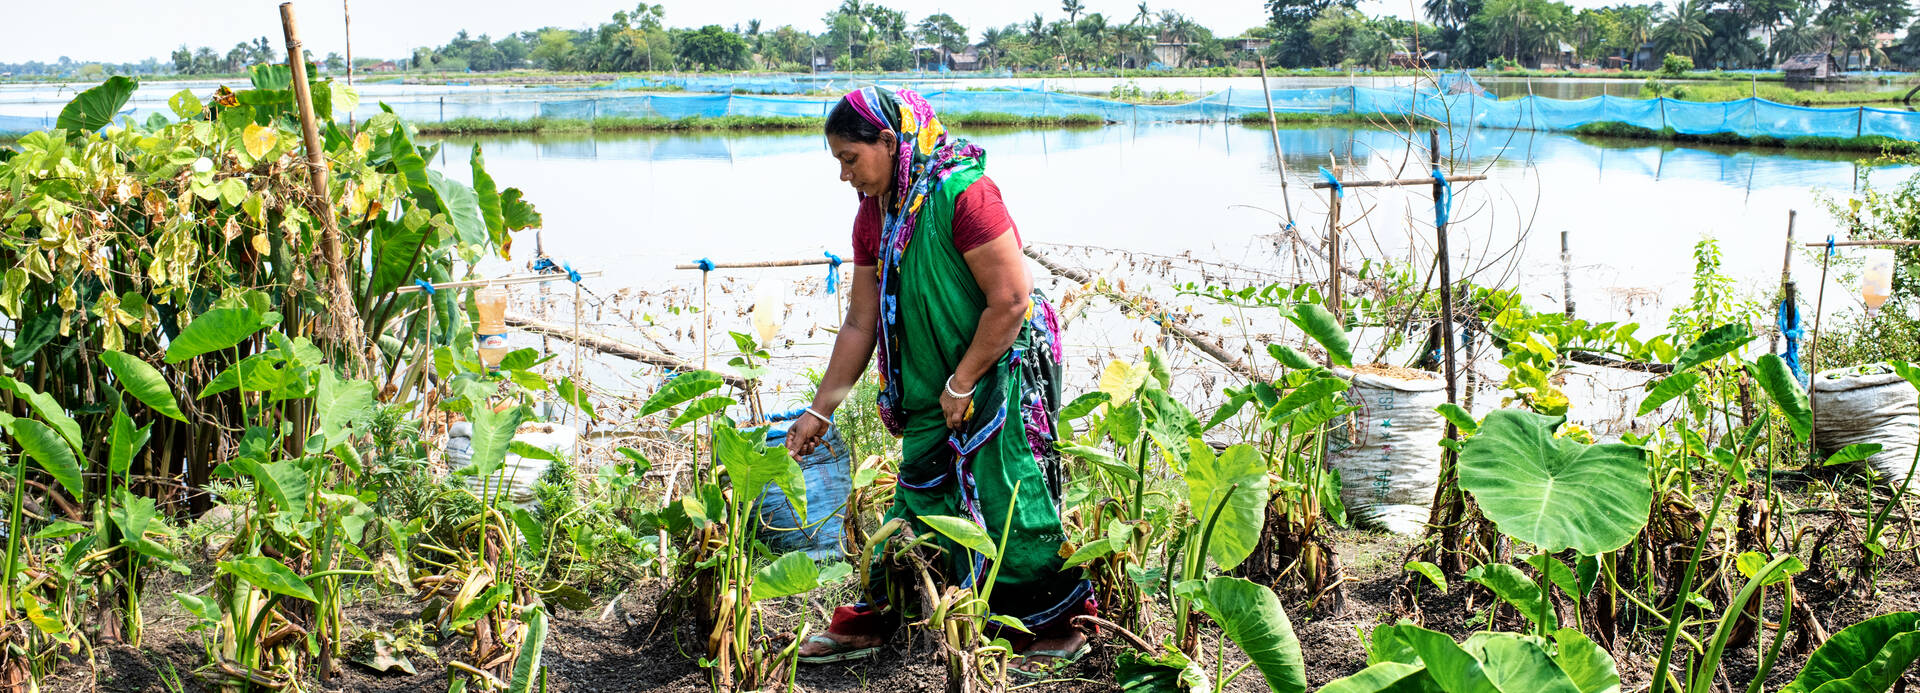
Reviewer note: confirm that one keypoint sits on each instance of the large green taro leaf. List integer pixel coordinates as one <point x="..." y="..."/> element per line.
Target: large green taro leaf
<point x="1243" y="471"/>
<point x="1251" y="615"/>
<point x="95" y="108"/>
<point x="1866" y="657"/>
<point x="1552" y="492"/>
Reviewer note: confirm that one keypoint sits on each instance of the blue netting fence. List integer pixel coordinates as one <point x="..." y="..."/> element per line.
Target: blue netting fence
<point x="1748" y="117"/>
<point x="1745" y="117"/>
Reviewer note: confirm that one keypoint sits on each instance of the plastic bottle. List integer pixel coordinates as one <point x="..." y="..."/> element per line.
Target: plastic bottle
<point x="1876" y="283"/>
<point x="492" y="330"/>
<point x="767" y="305"/>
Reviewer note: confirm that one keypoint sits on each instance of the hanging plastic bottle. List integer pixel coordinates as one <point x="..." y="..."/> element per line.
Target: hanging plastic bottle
<point x="491" y="333"/>
<point x="768" y="304"/>
<point x="1876" y="283"/>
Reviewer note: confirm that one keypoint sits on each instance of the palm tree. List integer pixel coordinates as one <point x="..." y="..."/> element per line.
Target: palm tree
<point x="1036" y="26"/>
<point x="1073" y="8"/>
<point x="1797" y="36"/>
<point x="1683" y="32"/>
<point x="1144" y="18"/>
<point x="1094" y="29"/>
<point x="993" y="43"/>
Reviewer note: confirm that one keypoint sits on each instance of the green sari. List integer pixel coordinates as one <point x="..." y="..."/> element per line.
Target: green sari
<point x="1002" y="460"/>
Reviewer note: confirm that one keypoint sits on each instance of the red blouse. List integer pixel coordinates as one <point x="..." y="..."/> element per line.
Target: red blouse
<point x="979" y="216"/>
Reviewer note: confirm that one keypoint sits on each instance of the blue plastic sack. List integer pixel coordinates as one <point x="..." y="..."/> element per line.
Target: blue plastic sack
<point x="829" y="474"/>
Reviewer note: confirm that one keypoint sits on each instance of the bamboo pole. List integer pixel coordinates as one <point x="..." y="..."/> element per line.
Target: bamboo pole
<point x="1273" y="127"/>
<point x="1446" y="272"/>
<point x="1888" y="243"/>
<point x="344" y="317"/>
<point x="610" y="346"/>
<point x="1786" y="275"/>
<point x="758" y="265"/>
<point x="1813" y="350"/>
<point x="1211" y="349"/>
<point x="346" y="21"/>
<point x="1334" y="303"/>
<point x="1566" y="274"/>
<point x="1402" y="182"/>
<point x="508" y="280"/>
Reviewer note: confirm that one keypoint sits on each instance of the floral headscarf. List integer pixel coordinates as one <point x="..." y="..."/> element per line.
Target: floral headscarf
<point x="926" y="156"/>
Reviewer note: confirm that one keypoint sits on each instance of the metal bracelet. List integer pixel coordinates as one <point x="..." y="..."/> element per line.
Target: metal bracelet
<point x="820" y="416"/>
<point x="958" y="395"/>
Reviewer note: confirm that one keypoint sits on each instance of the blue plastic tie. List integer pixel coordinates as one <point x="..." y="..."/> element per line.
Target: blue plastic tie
<point x="704" y="264"/>
<point x="1444" y="203"/>
<point x="1788" y="320"/>
<point x="425" y="285"/>
<point x="1338" y="191"/>
<point x="1829" y="244"/>
<point x="572" y="274"/>
<point x="833" y="272"/>
<point x="543" y="264"/>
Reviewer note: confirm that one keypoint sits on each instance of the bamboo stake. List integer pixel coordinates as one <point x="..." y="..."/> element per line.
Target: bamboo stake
<point x="1446" y="279"/>
<point x="1786" y="275"/>
<point x="1894" y="242"/>
<point x="758" y="265"/>
<point x="346" y="20"/>
<point x="344" y="317"/>
<point x="1566" y="274"/>
<point x="508" y="280"/>
<point x="1334" y="302"/>
<point x="1813" y="350"/>
<point x="1273" y="126"/>
<point x="1403" y="182"/>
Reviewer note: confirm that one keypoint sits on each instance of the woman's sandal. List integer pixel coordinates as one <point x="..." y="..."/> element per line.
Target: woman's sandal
<point x="838" y="652"/>
<point x="1057" y="661"/>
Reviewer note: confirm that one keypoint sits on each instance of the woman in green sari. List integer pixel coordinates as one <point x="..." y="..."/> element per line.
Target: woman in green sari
<point x="969" y="364"/>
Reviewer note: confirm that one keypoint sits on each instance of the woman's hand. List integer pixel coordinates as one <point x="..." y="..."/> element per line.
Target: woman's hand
<point x="804" y="434"/>
<point x="956" y="409"/>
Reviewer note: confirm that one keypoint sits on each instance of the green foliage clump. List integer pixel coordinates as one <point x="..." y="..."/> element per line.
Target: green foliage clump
<point x="1675" y="65"/>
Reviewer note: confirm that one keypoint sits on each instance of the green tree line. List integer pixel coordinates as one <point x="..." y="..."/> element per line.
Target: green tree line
<point x="866" y="35"/>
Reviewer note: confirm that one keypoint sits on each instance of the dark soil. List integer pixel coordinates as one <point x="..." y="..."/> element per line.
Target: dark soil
<point x="627" y="651"/>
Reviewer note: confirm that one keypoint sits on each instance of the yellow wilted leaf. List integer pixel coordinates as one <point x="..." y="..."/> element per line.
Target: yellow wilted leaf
<point x="362" y="143"/>
<point x="260" y="243"/>
<point x="259" y="140"/>
<point x="1121" y="379"/>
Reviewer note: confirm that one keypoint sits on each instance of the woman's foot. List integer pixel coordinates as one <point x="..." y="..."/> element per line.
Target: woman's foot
<point x="1051" y="654"/>
<point x="830" y="647"/>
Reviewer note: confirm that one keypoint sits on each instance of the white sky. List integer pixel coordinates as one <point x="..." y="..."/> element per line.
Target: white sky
<point x="132" y="30"/>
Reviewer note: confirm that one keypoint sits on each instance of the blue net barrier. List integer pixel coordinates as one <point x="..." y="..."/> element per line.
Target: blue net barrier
<point x="1457" y="107"/>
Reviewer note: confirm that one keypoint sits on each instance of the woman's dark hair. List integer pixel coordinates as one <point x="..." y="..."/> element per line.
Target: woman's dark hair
<point x="846" y="123"/>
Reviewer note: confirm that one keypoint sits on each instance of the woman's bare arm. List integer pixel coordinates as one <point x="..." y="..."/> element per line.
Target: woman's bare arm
<point x="853" y="348"/>
<point x="1001" y="271"/>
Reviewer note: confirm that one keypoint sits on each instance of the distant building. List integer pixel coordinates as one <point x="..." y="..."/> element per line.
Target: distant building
<point x="382" y="66"/>
<point x="1248" y="43"/>
<point x="1808" y="67"/>
<point x="1170" y="53"/>
<point x="937" y="58"/>
<point x="1646" y="57"/>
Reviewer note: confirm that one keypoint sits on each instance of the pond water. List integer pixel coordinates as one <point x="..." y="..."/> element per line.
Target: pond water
<point x="1154" y="206"/>
<point x="637" y="204"/>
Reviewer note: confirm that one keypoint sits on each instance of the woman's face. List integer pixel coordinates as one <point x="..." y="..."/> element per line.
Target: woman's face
<point x="867" y="167"/>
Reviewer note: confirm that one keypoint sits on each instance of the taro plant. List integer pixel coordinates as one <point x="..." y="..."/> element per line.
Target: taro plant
<point x="1867" y="657"/>
<point x="717" y="522"/>
<point x="1407" y="657"/>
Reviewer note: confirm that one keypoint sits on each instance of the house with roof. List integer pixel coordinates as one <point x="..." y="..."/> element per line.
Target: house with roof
<point x="1808" y="67"/>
